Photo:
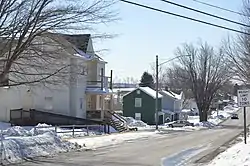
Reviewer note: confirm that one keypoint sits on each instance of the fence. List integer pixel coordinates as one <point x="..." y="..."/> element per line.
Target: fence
<point x="74" y="129"/>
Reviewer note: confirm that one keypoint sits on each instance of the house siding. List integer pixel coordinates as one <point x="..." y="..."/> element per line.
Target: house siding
<point x="68" y="98"/>
<point x="171" y="104"/>
<point x="147" y="109"/>
<point x="168" y="103"/>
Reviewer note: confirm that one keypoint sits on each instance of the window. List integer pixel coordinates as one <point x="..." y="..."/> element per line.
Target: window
<point x="81" y="103"/>
<point x="84" y="70"/>
<point x="138" y="92"/>
<point x="48" y="103"/>
<point x="138" y="102"/>
<point x="101" y="72"/>
<point x="100" y="102"/>
<point x="89" y="102"/>
<point x="5" y="80"/>
<point x="137" y="116"/>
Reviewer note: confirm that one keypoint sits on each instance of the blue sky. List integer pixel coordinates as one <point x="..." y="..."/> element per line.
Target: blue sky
<point x="144" y="33"/>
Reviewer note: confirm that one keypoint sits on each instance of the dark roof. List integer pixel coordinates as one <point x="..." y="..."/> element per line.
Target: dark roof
<point x="79" y="40"/>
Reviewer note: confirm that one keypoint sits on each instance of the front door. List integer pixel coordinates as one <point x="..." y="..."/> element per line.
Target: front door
<point x="161" y="119"/>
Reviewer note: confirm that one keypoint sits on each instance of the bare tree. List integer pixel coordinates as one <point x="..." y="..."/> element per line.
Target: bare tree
<point x="162" y="75"/>
<point x="238" y="49"/>
<point x="205" y="71"/>
<point x="177" y="80"/>
<point x="29" y="34"/>
<point x="130" y="80"/>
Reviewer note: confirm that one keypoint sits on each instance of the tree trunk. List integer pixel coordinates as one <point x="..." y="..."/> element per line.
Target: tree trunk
<point x="205" y="116"/>
<point x="201" y="115"/>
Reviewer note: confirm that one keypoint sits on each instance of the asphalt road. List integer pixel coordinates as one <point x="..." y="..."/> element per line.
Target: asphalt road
<point x="173" y="149"/>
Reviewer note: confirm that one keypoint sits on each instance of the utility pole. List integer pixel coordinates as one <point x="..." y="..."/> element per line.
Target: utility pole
<point x="245" y="125"/>
<point x="156" y="95"/>
<point x="157" y="86"/>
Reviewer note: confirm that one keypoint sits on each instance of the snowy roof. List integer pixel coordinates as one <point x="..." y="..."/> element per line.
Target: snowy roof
<point x="172" y="94"/>
<point x="100" y="58"/>
<point x="151" y="92"/>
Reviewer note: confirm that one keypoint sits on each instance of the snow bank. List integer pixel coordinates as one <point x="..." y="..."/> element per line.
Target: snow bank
<point x="131" y="122"/>
<point x="17" y="149"/>
<point x="44" y="128"/>
<point x="21" y="143"/>
<point x="206" y="124"/>
<point x="108" y="140"/>
<point x="237" y="155"/>
<point x="16" y="131"/>
<point x="215" y="118"/>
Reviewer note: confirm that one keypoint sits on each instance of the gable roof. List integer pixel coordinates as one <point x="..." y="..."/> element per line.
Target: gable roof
<point x="149" y="91"/>
<point x="79" y="40"/>
<point x="172" y="94"/>
<point x="100" y="59"/>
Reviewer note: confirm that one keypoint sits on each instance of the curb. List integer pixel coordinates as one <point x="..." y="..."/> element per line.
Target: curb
<point x="210" y="156"/>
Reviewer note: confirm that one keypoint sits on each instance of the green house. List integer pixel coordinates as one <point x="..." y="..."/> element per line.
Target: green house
<point x="140" y="104"/>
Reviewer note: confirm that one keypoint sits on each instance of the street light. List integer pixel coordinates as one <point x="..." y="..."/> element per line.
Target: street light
<point x="157" y="85"/>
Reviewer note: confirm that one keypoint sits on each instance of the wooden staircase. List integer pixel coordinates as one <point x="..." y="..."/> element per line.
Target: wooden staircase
<point x="116" y="121"/>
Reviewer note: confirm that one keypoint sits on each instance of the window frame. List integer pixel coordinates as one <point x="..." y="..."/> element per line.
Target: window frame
<point x="136" y="104"/>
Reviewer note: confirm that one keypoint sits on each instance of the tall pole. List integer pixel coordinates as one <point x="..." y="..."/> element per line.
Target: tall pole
<point x="156" y="95"/>
<point x="111" y="80"/>
<point x="245" y="126"/>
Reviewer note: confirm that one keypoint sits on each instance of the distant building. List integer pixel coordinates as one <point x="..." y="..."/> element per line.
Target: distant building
<point x="124" y="85"/>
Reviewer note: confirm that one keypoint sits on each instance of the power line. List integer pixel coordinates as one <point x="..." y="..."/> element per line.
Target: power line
<point x="185" y="17"/>
<point x="221" y="8"/>
<point x="205" y="13"/>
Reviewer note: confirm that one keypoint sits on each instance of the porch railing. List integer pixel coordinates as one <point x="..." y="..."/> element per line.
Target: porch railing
<point x="98" y="83"/>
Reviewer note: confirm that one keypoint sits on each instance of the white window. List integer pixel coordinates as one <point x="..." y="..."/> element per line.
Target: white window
<point x="100" y="102"/>
<point x="137" y="116"/>
<point x="138" y="102"/>
<point x="138" y="92"/>
<point x="48" y="103"/>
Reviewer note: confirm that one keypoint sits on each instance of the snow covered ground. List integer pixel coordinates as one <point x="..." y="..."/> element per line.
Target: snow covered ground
<point x="19" y="144"/>
<point x="215" y="118"/>
<point x="237" y="155"/>
<point x="108" y="140"/>
<point x="141" y="126"/>
<point x="23" y="143"/>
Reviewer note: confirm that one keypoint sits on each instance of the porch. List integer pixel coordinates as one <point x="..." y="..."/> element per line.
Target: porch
<point x="99" y="100"/>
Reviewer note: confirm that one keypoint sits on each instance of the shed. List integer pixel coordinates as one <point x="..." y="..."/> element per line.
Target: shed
<point x="140" y="104"/>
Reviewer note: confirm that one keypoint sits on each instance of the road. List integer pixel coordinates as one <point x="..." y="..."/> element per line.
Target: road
<point x="173" y="149"/>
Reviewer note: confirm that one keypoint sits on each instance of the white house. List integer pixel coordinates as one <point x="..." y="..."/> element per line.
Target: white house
<point x="78" y="95"/>
<point x="172" y="103"/>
